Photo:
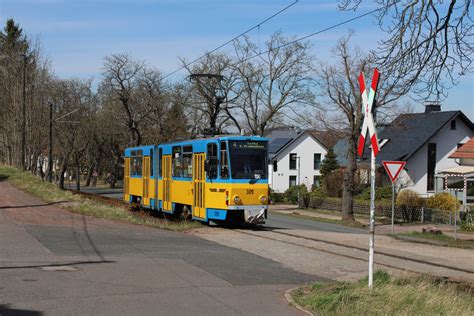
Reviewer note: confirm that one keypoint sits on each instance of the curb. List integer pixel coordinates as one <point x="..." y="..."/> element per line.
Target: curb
<point x="292" y="302"/>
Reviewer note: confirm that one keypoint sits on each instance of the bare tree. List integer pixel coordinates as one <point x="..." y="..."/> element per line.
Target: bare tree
<point x="121" y="73"/>
<point x="339" y="83"/>
<point x="213" y="80"/>
<point x="277" y="80"/>
<point x="429" y="44"/>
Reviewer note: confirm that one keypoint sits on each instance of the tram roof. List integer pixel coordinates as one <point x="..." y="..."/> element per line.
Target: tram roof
<point x="146" y="149"/>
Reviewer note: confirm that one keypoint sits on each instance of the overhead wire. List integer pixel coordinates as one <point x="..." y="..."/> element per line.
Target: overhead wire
<point x="288" y="43"/>
<point x="233" y="39"/>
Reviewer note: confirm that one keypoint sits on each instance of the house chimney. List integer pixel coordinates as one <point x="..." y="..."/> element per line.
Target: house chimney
<point x="432" y="107"/>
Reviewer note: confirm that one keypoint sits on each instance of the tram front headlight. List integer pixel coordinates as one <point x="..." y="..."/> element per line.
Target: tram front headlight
<point x="263" y="199"/>
<point x="236" y="199"/>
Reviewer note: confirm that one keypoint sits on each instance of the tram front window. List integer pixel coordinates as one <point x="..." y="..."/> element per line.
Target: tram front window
<point x="248" y="159"/>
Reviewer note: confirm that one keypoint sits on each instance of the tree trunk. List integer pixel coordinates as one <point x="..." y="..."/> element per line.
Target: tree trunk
<point x="348" y="184"/>
<point x="78" y="177"/>
<point x="61" y="175"/>
<point x="89" y="175"/>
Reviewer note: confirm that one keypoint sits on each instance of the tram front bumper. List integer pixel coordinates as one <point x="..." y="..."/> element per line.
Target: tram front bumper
<point x="253" y="214"/>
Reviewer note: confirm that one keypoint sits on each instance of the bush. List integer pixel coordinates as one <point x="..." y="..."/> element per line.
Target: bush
<point x="409" y="201"/>
<point x="332" y="183"/>
<point x="443" y="201"/>
<point x="381" y="193"/>
<point x="409" y="197"/>
<point x="316" y="197"/>
<point x="291" y="195"/>
<point x="276" y="197"/>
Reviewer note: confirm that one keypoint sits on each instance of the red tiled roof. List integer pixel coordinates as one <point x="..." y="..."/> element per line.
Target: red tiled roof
<point x="465" y="151"/>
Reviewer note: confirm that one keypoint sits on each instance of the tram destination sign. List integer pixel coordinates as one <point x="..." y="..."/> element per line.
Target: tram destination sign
<point x="249" y="145"/>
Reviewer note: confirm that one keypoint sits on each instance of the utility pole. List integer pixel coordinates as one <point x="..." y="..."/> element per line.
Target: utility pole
<point x="23" y="118"/>
<point x="50" y="149"/>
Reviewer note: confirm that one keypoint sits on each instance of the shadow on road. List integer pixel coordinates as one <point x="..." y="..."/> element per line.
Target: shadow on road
<point x="3" y="177"/>
<point x="36" y="205"/>
<point x="6" y="310"/>
<point x="89" y="239"/>
<point x="59" y="264"/>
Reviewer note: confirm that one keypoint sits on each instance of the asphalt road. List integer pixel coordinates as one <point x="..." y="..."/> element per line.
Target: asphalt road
<point x="55" y="262"/>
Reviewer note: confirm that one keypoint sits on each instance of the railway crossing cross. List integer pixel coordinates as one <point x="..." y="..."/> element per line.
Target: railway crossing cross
<point x="369" y="124"/>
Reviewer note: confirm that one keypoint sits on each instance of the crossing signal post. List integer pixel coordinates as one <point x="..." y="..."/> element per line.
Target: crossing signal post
<point x="368" y="125"/>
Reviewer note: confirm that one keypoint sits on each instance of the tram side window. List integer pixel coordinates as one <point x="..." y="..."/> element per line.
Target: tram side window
<point x="136" y="166"/>
<point x="212" y="161"/>
<point x="177" y="162"/>
<point x="224" y="161"/>
<point x="151" y="164"/>
<point x="160" y="162"/>
<point x="187" y="161"/>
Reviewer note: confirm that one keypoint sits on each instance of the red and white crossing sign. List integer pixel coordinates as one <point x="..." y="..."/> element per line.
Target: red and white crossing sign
<point x="368" y="123"/>
<point x="394" y="168"/>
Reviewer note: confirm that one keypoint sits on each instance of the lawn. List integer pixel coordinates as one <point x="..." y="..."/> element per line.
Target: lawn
<point x="421" y="295"/>
<point x="50" y="193"/>
<point x="438" y="239"/>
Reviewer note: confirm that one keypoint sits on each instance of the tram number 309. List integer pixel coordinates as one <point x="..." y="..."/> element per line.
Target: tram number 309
<point x="249" y="191"/>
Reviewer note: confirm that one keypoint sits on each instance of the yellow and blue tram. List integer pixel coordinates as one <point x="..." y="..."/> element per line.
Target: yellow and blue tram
<point x="220" y="179"/>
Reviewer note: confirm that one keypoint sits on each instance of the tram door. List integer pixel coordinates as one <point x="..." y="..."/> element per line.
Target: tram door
<point x="167" y="205"/>
<point x="199" y="181"/>
<point x="146" y="180"/>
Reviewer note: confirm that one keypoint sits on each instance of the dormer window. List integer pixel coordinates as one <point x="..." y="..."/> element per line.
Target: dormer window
<point x="453" y="124"/>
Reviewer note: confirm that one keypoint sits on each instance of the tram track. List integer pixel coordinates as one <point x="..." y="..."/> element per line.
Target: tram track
<point x="355" y="248"/>
<point x="362" y="251"/>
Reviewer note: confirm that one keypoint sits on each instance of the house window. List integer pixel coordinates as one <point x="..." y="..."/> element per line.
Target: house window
<point x="316" y="181"/>
<point x="453" y="124"/>
<point x="292" y="161"/>
<point x="431" y="166"/>
<point x="317" y="161"/>
<point x="292" y="181"/>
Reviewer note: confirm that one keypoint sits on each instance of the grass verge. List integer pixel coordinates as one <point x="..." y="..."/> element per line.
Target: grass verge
<point x="438" y="239"/>
<point x="421" y="295"/>
<point x="50" y="193"/>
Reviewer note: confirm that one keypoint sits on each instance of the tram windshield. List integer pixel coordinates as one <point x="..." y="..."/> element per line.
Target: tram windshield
<point x="248" y="159"/>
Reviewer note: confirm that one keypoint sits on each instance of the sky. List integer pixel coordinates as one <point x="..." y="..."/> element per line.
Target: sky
<point x="76" y="35"/>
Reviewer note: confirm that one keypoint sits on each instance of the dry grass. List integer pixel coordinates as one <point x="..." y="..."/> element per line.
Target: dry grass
<point x="50" y="193"/>
<point x="420" y="295"/>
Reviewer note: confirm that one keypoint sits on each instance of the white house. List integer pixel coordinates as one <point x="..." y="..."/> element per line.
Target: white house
<point x="294" y="158"/>
<point x="424" y="141"/>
